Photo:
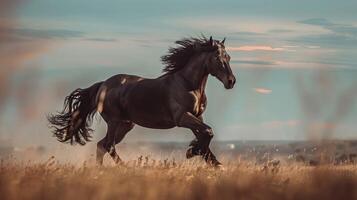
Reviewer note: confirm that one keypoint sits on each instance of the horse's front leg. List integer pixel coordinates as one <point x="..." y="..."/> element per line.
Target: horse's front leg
<point x="195" y="150"/>
<point x="204" y="135"/>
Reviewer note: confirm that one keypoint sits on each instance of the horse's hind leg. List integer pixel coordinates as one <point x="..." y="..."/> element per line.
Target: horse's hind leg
<point x="115" y="134"/>
<point x="106" y="145"/>
<point x="122" y="129"/>
<point x="101" y="151"/>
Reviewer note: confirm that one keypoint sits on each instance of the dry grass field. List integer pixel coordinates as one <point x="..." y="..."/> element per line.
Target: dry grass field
<point x="168" y="179"/>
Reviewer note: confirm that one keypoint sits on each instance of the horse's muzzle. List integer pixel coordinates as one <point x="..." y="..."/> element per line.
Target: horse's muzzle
<point x="230" y="82"/>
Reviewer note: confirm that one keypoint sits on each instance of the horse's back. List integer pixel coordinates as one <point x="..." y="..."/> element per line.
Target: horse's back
<point x="121" y="80"/>
<point x="109" y="96"/>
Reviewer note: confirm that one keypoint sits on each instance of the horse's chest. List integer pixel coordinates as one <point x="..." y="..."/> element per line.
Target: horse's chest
<point x="198" y="103"/>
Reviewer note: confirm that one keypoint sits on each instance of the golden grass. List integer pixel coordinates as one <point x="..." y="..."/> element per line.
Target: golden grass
<point x="172" y="180"/>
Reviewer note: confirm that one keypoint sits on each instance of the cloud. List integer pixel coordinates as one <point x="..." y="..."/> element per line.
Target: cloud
<point x="340" y="34"/>
<point x="255" y="48"/>
<point x="316" y="21"/>
<point x="102" y="39"/>
<point x="313" y="47"/>
<point x="347" y="29"/>
<point x="319" y="64"/>
<point x="293" y="64"/>
<point x="29" y="33"/>
<point x="291" y="46"/>
<point x="49" y="33"/>
<point x="247" y="33"/>
<point x="262" y="90"/>
<point x="281" y="31"/>
<point x="332" y="39"/>
<point x="339" y="31"/>
<point x="254" y="62"/>
<point x="26" y="34"/>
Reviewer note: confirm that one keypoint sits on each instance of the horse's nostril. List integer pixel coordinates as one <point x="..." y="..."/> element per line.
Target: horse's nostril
<point x="231" y="80"/>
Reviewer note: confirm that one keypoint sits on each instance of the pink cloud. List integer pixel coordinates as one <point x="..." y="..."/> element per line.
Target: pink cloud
<point x="262" y="90"/>
<point x="255" y="48"/>
<point x="313" y="47"/>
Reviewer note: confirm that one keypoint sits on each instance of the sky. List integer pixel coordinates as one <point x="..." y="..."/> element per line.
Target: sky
<point x="295" y="62"/>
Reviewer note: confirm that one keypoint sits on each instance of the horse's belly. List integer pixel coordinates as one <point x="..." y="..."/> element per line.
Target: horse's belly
<point x="154" y="125"/>
<point x="146" y="105"/>
<point x="157" y="120"/>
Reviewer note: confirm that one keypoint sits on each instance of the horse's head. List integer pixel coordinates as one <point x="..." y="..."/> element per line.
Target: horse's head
<point x="217" y="63"/>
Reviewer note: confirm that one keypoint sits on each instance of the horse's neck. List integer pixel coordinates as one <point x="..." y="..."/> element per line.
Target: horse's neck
<point x="194" y="75"/>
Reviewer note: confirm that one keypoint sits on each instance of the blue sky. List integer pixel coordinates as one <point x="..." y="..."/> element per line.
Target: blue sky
<point x="295" y="61"/>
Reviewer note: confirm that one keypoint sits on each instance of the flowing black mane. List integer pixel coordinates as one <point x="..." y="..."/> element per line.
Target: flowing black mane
<point x="178" y="57"/>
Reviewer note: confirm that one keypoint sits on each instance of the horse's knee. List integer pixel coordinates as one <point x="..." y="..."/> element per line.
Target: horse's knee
<point x="208" y="133"/>
<point x="103" y="146"/>
<point x="194" y="143"/>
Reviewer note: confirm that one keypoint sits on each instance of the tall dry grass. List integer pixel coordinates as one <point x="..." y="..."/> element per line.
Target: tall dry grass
<point x="167" y="179"/>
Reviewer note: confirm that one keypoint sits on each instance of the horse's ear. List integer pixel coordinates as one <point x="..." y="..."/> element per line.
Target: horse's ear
<point x="211" y="41"/>
<point x="224" y="39"/>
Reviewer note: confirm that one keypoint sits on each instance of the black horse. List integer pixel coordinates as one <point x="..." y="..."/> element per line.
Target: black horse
<point x="175" y="99"/>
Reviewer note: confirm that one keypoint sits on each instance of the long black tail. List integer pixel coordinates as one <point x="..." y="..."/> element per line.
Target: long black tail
<point x="72" y="123"/>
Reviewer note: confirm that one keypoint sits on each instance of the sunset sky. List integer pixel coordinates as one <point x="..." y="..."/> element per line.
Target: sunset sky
<point x="295" y="61"/>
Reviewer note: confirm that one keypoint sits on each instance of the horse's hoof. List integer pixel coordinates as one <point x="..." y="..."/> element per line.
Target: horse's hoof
<point x="220" y="167"/>
<point x="119" y="163"/>
<point x="217" y="165"/>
